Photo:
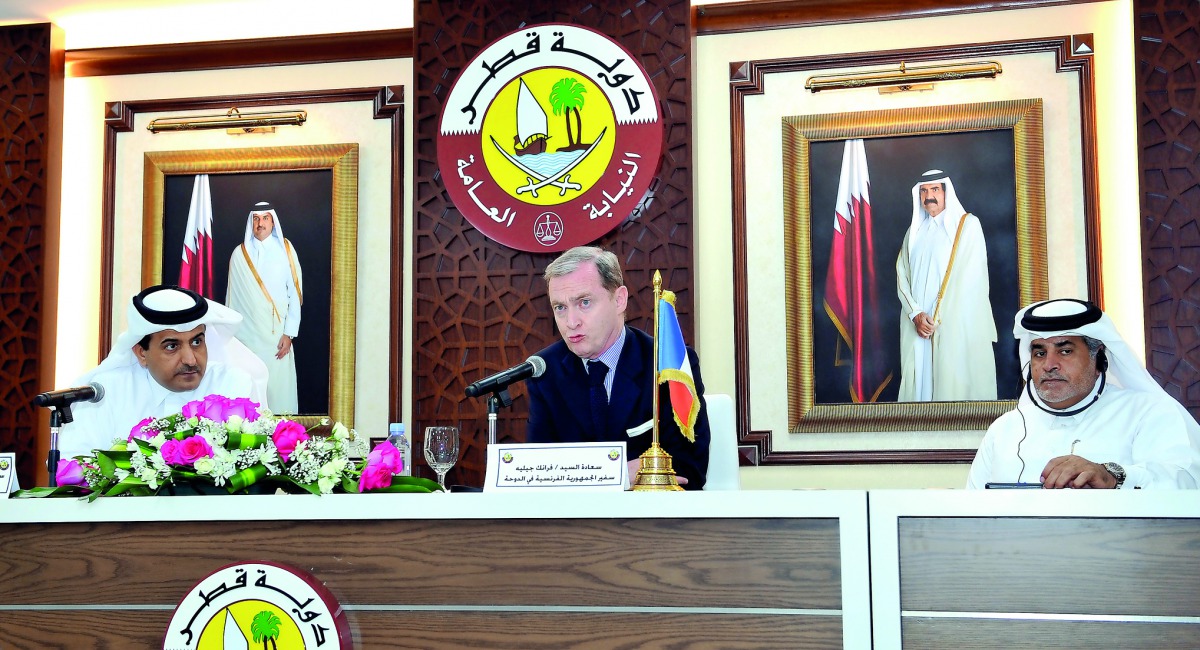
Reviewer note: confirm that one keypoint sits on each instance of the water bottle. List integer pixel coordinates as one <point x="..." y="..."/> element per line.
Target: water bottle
<point x="399" y="440"/>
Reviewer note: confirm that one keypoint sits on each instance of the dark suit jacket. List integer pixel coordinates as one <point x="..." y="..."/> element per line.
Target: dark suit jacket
<point x="559" y="406"/>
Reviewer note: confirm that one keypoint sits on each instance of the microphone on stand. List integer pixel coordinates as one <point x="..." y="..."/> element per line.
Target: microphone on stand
<point x="59" y="402"/>
<point x="496" y="384"/>
<point x="93" y="392"/>
<point x="532" y="367"/>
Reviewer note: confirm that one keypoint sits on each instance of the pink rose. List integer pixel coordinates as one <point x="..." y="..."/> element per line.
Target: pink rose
<point x="243" y="407"/>
<point x="193" y="449"/>
<point x="70" y="472"/>
<point x="385" y="453"/>
<point x="287" y="435"/>
<point x="186" y="451"/>
<point x="139" y="431"/>
<point x="219" y="408"/>
<point x="201" y="408"/>
<point x="171" y="452"/>
<point x="374" y="476"/>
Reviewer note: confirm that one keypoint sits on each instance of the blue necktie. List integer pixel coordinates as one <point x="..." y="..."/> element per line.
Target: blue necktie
<point x="597" y="371"/>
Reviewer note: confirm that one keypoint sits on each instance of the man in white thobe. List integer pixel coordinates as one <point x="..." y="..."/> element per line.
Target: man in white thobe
<point x="266" y="286"/>
<point x="1090" y="415"/>
<point x="178" y="347"/>
<point x="946" y="325"/>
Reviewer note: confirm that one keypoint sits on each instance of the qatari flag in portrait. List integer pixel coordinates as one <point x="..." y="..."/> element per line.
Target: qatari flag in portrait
<point x="850" y="292"/>
<point x="196" y="270"/>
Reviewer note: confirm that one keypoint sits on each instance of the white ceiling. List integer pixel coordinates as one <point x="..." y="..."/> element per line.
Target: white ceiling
<point x="113" y="23"/>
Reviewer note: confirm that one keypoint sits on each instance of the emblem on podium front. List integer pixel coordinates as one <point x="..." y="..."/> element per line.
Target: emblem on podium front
<point x="550" y="138"/>
<point x="258" y="605"/>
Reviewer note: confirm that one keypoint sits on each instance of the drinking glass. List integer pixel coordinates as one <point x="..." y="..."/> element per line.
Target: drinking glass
<point x="441" y="450"/>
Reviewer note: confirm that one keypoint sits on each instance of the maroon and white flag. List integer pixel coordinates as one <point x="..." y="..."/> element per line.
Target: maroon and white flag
<point x="850" y="291"/>
<point x="196" y="270"/>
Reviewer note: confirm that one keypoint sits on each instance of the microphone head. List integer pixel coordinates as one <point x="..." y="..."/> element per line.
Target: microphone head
<point x="99" y="391"/>
<point x="538" y="363"/>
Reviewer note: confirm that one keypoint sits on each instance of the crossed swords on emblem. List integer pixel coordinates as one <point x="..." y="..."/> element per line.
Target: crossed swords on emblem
<point x="560" y="179"/>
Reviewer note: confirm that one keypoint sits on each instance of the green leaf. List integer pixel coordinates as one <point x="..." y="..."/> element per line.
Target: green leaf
<point x="128" y="485"/>
<point x="109" y="461"/>
<point x="399" y="484"/>
<point x="423" y="489"/>
<point x="246" y="477"/>
<point x="246" y="440"/>
<point x="60" y="491"/>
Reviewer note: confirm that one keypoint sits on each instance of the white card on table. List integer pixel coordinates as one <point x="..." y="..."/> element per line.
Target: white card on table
<point x="596" y="466"/>
<point x="8" y="472"/>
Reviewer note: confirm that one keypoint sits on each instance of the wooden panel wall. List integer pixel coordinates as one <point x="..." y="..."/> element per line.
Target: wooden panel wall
<point x="392" y="566"/>
<point x="479" y="307"/>
<point x="1106" y="568"/>
<point x="1168" y="93"/>
<point x="30" y="104"/>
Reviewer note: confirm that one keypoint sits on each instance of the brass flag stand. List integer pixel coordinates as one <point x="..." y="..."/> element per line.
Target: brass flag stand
<point x="656" y="473"/>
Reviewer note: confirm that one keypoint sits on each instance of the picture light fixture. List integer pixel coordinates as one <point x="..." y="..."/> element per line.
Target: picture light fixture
<point x="906" y="77"/>
<point x="233" y="120"/>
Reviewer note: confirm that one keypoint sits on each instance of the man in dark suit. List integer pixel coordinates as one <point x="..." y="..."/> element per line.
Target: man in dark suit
<point x="597" y="384"/>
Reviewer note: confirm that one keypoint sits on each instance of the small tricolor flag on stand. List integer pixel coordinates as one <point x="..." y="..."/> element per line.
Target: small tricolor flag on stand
<point x="675" y="369"/>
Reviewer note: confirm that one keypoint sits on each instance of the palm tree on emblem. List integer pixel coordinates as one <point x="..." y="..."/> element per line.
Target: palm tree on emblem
<point x="265" y="627"/>
<point x="566" y="96"/>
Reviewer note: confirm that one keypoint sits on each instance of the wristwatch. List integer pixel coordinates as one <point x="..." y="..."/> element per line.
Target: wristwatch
<point x="1118" y="473"/>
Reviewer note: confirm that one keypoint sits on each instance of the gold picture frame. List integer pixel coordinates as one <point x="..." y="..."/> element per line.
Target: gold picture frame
<point x="1024" y="119"/>
<point x="342" y="161"/>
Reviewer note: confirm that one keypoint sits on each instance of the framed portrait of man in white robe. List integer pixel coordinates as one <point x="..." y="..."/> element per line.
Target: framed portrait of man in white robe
<point x="313" y="190"/>
<point x="980" y="148"/>
<point x="1020" y="150"/>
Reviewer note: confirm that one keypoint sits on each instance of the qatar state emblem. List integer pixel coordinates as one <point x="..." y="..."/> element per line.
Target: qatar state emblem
<point x="550" y="138"/>
<point x="258" y="604"/>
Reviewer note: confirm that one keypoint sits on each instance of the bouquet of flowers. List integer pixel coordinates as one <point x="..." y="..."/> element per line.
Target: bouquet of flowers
<point x="232" y="444"/>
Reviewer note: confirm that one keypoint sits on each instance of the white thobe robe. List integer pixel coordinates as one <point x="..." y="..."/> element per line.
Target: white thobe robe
<point x="263" y="325"/>
<point x="1146" y="434"/>
<point x="958" y="363"/>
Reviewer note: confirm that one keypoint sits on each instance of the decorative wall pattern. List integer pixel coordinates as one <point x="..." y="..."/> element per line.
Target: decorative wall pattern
<point x="1167" y="34"/>
<point x="479" y="307"/>
<point x="24" y="122"/>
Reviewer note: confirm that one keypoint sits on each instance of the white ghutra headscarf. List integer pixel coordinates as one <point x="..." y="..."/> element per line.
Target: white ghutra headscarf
<point x="1070" y="317"/>
<point x="163" y="307"/>
<point x="276" y="238"/>
<point x="954" y="209"/>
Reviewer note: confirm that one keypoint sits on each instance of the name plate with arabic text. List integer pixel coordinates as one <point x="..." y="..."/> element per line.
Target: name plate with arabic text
<point x="594" y="466"/>
<point x="8" y="473"/>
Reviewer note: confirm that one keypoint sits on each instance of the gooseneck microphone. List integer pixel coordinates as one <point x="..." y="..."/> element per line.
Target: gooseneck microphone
<point x="532" y="367"/>
<point x="93" y="392"/>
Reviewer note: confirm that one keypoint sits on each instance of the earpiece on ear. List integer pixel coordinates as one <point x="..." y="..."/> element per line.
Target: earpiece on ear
<point x="1101" y="360"/>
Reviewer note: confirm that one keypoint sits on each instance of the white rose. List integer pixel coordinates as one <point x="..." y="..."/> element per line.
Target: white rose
<point x="340" y="431"/>
<point x="204" y="465"/>
<point x="333" y="467"/>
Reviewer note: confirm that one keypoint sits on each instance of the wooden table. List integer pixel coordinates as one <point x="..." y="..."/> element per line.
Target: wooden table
<point x="1035" y="569"/>
<point x="701" y="570"/>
